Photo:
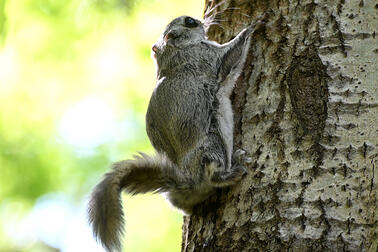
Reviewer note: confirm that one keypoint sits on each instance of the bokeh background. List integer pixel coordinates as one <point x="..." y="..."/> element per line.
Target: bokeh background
<point x="75" y="80"/>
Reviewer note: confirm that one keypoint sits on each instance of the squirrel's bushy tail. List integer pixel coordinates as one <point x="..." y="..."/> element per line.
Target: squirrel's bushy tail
<point x="140" y="175"/>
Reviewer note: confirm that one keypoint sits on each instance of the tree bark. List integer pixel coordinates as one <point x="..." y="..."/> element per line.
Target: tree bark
<point x="306" y="109"/>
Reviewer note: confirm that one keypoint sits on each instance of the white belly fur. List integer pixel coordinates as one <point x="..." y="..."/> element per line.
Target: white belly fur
<point x="225" y="116"/>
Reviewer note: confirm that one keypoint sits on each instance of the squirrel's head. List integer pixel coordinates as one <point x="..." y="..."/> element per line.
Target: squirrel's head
<point x="180" y="33"/>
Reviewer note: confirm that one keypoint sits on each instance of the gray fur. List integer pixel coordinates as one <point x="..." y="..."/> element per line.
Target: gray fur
<point x="189" y="123"/>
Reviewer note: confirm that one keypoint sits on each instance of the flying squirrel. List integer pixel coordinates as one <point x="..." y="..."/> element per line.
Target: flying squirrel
<point x="190" y="124"/>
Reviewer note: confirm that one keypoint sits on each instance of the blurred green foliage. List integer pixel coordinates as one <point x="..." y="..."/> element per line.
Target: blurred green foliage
<point x="75" y="79"/>
<point x="2" y="21"/>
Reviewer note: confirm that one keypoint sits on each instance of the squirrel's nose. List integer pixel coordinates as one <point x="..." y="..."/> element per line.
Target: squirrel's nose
<point x="154" y="48"/>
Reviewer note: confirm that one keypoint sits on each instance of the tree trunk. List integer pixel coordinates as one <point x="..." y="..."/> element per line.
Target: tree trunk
<point x="306" y="109"/>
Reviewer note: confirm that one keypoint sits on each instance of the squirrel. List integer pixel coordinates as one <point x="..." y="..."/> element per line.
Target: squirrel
<point x="190" y="124"/>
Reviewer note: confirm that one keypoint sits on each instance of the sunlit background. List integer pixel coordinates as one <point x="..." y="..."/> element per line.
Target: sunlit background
<point x="75" y="80"/>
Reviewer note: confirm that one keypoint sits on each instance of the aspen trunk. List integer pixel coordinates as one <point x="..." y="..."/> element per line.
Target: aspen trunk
<point x="306" y="109"/>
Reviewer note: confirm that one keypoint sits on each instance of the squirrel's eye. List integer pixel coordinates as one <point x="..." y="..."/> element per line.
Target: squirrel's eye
<point x="190" y="22"/>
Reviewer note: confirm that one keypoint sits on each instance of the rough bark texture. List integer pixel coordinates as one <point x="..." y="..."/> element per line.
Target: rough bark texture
<point x="307" y="111"/>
